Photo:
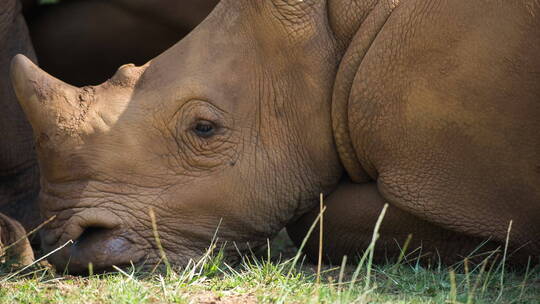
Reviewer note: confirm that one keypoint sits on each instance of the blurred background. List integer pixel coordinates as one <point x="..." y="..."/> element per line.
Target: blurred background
<point x="83" y="42"/>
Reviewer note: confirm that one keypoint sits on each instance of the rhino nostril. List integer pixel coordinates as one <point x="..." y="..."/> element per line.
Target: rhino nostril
<point x="99" y="237"/>
<point x="84" y="226"/>
<point x="91" y="232"/>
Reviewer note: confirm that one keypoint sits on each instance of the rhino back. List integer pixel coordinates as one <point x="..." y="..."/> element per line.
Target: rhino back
<point x="443" y="112"/>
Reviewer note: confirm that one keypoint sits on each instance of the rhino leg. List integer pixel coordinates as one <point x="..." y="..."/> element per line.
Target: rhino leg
<point x="349" y="220"/>
<point x="14" y="246"/>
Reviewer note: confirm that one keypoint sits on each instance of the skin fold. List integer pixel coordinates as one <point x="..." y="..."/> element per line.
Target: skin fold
<point x="239" y="126"/>
<point x="449" y="130"/>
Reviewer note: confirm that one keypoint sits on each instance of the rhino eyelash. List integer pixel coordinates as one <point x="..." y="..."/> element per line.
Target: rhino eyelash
<point x="205" y="128"/>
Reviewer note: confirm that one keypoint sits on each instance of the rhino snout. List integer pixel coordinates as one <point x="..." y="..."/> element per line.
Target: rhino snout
<point x="96" y="238"/>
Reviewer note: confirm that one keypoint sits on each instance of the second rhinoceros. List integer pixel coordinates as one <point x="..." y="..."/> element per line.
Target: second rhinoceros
<point x="429" y="106"/>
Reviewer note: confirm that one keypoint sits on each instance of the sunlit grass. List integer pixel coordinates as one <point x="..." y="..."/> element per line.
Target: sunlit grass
<point x="269" y="277"/>
<point x="271" y="280"/>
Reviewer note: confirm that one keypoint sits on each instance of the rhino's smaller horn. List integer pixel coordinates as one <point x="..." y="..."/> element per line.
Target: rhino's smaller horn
<point x="52" y="106"/>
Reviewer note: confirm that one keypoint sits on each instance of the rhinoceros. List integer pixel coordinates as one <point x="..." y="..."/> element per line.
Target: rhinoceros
<point x="431" y="107"/>
<point x="19" y="172"/>
<point x="61" y="29"/>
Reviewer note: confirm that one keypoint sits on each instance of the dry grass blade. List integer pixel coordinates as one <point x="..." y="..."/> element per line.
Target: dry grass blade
<point x="368" y="254"/>
<point x="158" y="240"/>
<point x="453" y="287"/>
<point x="525" y="278"/>
<point x="404" y="249"/>
<point x="470" y="298"/>
<point x="503" y="262"/>
<point x="304" y="241"/>
<point x="321" y="218"/>
<point x="36" y="261"/>
<point x="372" y="245"/>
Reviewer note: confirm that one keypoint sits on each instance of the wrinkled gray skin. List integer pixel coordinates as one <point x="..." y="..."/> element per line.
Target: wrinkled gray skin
<point x="430" y="106"/>
<point x="83" y="34"/>
<point x="19" y="172"/>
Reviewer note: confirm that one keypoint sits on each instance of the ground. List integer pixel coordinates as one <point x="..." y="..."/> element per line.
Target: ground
<point x="280" y="275"/>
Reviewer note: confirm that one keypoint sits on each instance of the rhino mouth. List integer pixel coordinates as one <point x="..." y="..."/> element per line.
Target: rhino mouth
<point x="85" y="243"/>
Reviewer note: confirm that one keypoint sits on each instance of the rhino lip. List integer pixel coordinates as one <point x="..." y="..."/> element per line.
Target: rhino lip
<point x="78" y="223"/>
<point x="91" y="240"/>
<point x="103" y="248"/>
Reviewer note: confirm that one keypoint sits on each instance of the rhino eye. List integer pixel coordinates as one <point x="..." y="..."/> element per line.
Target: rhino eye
<point x="204" y="129"/>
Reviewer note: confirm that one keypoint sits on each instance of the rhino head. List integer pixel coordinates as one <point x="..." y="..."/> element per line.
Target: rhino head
<point x="229" y="130"/>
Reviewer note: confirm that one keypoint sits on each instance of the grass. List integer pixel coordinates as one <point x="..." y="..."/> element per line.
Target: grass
<point x="274" y="279"/>
<point x="280" y="274"/>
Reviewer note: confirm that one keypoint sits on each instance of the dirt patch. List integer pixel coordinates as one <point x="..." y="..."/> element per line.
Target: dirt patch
<point x="212" y="298"/>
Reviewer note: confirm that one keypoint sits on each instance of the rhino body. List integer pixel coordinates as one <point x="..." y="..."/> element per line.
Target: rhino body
<point x="429" y="106"/>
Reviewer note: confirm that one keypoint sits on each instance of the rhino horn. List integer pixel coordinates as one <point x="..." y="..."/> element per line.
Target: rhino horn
<point x="52" y="106"/>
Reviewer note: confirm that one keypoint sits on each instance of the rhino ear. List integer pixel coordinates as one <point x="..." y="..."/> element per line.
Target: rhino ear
<point x="14" y="245"/>
<point x="50" y="104"/>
